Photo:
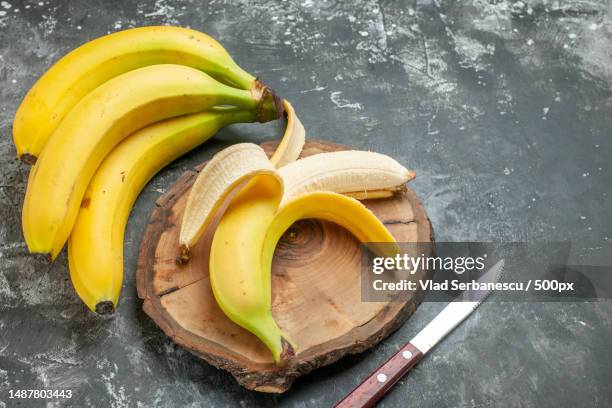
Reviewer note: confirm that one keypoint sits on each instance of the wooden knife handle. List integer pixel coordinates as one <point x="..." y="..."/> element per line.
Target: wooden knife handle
<point x="378" y="383"/>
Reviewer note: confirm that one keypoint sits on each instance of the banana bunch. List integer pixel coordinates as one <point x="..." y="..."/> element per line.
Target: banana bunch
<point x="87" y="67"/>
<point x="102" y="121"/>
<point x="260" y="203"/>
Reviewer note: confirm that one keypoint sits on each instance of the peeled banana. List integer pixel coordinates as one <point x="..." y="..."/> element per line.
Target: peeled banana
<point x="103" y="118"/>
<point x="226" y="171"/>
<point x="355" y="173"/>
<point x="245" y="237"/>
<point x="364" y="174"/>
<point x="94" y="63"/>
<point x="95" y="247"/>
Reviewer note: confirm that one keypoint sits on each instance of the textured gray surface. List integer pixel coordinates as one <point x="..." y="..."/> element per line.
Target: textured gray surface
<point x="503" y="109"/>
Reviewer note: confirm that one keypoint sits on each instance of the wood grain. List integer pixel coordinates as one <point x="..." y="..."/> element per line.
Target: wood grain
<point x="316" y="292"/>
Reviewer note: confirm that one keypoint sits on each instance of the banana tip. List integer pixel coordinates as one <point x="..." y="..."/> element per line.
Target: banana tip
<point x="183" y="255"/>
<point x="106" y="307"/>
<point x="287" y="351"/>
<point x="44" y="257"/>
<point x="27" y="158"/>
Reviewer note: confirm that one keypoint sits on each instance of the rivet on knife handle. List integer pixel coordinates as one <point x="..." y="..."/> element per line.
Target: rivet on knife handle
<point x="378" y="383"/>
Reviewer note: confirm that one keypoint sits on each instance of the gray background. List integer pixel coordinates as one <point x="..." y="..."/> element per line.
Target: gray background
<point x="503" y="108"/>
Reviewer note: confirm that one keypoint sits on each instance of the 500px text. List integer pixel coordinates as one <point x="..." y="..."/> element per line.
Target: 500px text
<point x="538" y="285"/>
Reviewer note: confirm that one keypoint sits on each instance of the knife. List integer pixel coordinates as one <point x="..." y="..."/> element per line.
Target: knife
<point x="381" y="380"/>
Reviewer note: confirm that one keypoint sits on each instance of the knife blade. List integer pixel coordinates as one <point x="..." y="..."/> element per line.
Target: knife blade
<point x="372" y="389"/>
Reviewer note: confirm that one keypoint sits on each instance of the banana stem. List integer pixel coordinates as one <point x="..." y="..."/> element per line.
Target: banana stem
<point x="28" y="158"/>
<point x="236" y="77"/>
<point x="183" y="256"/>
<point x="270" y="105"/>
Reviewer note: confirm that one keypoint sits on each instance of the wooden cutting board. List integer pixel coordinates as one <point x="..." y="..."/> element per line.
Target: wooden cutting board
<point x="316" y="289"/>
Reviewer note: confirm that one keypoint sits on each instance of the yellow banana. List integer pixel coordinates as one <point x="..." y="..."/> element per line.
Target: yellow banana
<point x="103" y="118"/>
<point x="92" y="64"/>
<point x="235" y="262"/>
<point x="95" y="247"/>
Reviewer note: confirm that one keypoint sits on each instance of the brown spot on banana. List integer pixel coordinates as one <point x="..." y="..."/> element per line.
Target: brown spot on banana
<point x="85" y="203"/>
